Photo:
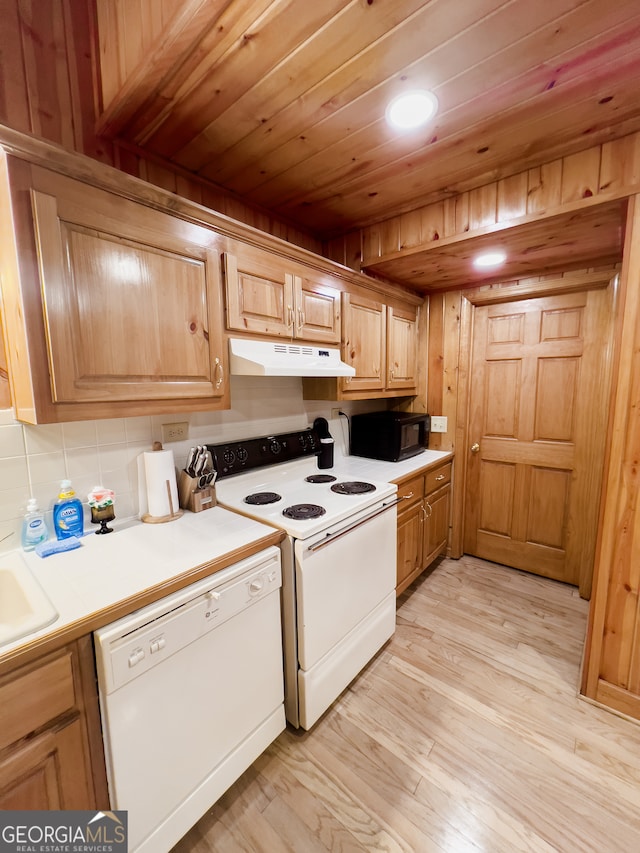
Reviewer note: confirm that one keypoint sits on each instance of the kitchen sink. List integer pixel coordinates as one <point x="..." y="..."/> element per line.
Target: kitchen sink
<point x="24" y="605"/>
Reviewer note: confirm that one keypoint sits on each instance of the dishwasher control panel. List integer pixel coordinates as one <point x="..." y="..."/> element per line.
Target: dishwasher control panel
<point x="135" y="644"/>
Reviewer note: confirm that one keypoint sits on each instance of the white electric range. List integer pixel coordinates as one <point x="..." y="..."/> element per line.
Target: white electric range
<point x="338" y="559"/>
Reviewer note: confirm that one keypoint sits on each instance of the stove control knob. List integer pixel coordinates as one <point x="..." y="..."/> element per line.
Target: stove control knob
<point x="275" y="447"/>
<point x="229" y="456"/>
<point x="243" y="454"/>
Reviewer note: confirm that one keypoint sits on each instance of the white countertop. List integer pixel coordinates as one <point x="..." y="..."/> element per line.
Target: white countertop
<point x="111" y="569"/>
<point x="108" y="571"/>
<point x="389" y="471"/>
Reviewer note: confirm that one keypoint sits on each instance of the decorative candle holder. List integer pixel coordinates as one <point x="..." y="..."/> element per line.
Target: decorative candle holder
<point x="102" y="515"/>
<point x="101" y="505"/>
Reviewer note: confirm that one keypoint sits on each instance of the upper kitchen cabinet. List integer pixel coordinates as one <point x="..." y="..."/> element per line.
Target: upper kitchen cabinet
<point x="402" y="348"/>
<point x="268" y="294"/>
<point x="381" y="342"/>
<point x="110" y="307"/>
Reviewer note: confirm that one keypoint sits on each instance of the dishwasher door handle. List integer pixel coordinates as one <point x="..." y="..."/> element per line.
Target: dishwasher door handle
<point x="332" y="538"/>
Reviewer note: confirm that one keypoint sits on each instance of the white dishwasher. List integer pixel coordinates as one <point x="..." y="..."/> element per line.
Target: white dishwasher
<point x="191" y="692"/>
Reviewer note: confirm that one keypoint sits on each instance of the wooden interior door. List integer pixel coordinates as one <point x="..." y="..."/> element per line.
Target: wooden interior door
<point x="535" y="432"/>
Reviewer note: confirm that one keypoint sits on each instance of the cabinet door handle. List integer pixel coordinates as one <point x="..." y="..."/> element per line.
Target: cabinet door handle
<point x="300" y="318"/>
<point x="424" y="512"/>
<point x="440" y="477"/>
<point x="407" y="497"/>
<point x="218" y="372"/>
<point x="290" y="315"/>
<point x="475" y="447"/>
<point x="430" y="509"/>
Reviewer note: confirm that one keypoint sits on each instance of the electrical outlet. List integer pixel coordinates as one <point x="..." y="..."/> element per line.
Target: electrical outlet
<point x="438" y="423"/>
<point x="175" y="432"/>
<point x="335" y="414"/>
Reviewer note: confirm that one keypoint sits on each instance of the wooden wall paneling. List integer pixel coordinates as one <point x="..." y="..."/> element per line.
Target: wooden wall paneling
<point x="411" y="230"/>
<point x="459" y="418"/>
<point x="620" y="165"/>
<point x="461" y="208"/>
<point x="47" y="71"/>
<point x="188" y="188"/>
<point x="512" y="197"/>
<point x="345" y="249"/>
<point x="483" y="206"/>
<point x="81" y="40"/>
<point x="592" y="416"/>
<point x="545" y="187"/>
<point x="129" y="30"/>
<point x="14" y="99"/>
<point x="612" y="662"/>
<point x="581" y="175"/>
<point x="109" y="47"/>
<point x="451" y="365"/>
<point x="562" y="187"/>
<point x="370" y="244"/>
<point x="432" y="226"/>
<point x="161" y="176"/>
<point x="435" y="363"/>
<point x="352" y="251"/>
<point x="389" y="235"/>
<point x="450" y="208"/>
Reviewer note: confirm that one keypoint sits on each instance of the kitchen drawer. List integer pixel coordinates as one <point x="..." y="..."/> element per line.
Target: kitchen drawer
<point x="32" y="697"/>
<point x="437" y="478"/>
<point x="410" y="492"/>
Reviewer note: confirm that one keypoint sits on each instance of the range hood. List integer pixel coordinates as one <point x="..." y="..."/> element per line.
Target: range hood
<point x="264" y="358"/>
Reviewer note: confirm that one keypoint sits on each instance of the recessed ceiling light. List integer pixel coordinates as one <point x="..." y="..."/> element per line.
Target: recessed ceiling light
<point x="413" y="109"/>
<point x="490" y="259"/>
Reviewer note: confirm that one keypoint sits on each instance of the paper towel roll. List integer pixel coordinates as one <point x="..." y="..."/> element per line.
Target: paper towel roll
<point x="157" y="468"/>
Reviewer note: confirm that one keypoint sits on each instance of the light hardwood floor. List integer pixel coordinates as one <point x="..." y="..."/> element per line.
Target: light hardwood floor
<point x="465" y="733"/>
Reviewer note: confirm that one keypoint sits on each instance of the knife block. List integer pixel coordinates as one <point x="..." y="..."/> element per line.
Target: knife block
<point x="193" y="498"/>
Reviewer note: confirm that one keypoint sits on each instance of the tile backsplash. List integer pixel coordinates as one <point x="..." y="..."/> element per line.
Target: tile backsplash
<point x="34" y="459"/>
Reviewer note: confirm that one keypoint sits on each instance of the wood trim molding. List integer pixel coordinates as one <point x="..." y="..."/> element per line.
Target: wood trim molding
<point x="621" y="700"/>
<point x="494" y="294"/>
<point x="613" y="565"/>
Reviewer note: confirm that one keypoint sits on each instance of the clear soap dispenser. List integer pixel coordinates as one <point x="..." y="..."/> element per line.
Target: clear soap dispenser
<point x="34" y="528"/>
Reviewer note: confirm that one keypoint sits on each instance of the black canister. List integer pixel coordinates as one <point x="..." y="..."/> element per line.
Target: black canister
<point x="325" y="457"/>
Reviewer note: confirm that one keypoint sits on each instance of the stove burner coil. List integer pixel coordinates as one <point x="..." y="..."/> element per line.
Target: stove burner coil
<point x="262" y="498"/>
<point x="301" y="512"/>
<point x="353" y="487"/>
<point x="320" y="478"/>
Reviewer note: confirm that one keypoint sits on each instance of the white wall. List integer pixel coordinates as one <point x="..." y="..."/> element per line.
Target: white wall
<point x="33" y="459"/>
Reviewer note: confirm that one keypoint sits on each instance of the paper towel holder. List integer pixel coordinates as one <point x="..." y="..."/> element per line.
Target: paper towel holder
<point x="174" y="513"/>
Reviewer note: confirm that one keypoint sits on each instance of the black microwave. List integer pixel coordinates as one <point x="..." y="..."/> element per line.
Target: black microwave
<point x="391" y="436"/>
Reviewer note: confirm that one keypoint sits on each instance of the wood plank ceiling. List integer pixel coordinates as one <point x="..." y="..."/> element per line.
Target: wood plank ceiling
<point x="283" y="101"/>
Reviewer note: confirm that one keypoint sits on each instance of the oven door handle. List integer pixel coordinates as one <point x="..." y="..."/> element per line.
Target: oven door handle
<point x="318" y="545"/>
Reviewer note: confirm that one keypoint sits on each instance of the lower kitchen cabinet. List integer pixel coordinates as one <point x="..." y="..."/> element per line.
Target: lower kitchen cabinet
<point x="51" y="754"/>
<point x="423" y="521"/>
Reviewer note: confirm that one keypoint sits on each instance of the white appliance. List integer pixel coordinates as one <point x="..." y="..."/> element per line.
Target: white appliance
<point x="266" y="358"/>
<point x="338" y="560"/>
<point x="191" y="693"/>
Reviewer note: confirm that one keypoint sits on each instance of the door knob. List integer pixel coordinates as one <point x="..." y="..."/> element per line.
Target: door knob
<point x="475" y="447"/>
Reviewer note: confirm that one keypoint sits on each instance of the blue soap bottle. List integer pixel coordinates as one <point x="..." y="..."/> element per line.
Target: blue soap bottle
<point x="68" y="515"/>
